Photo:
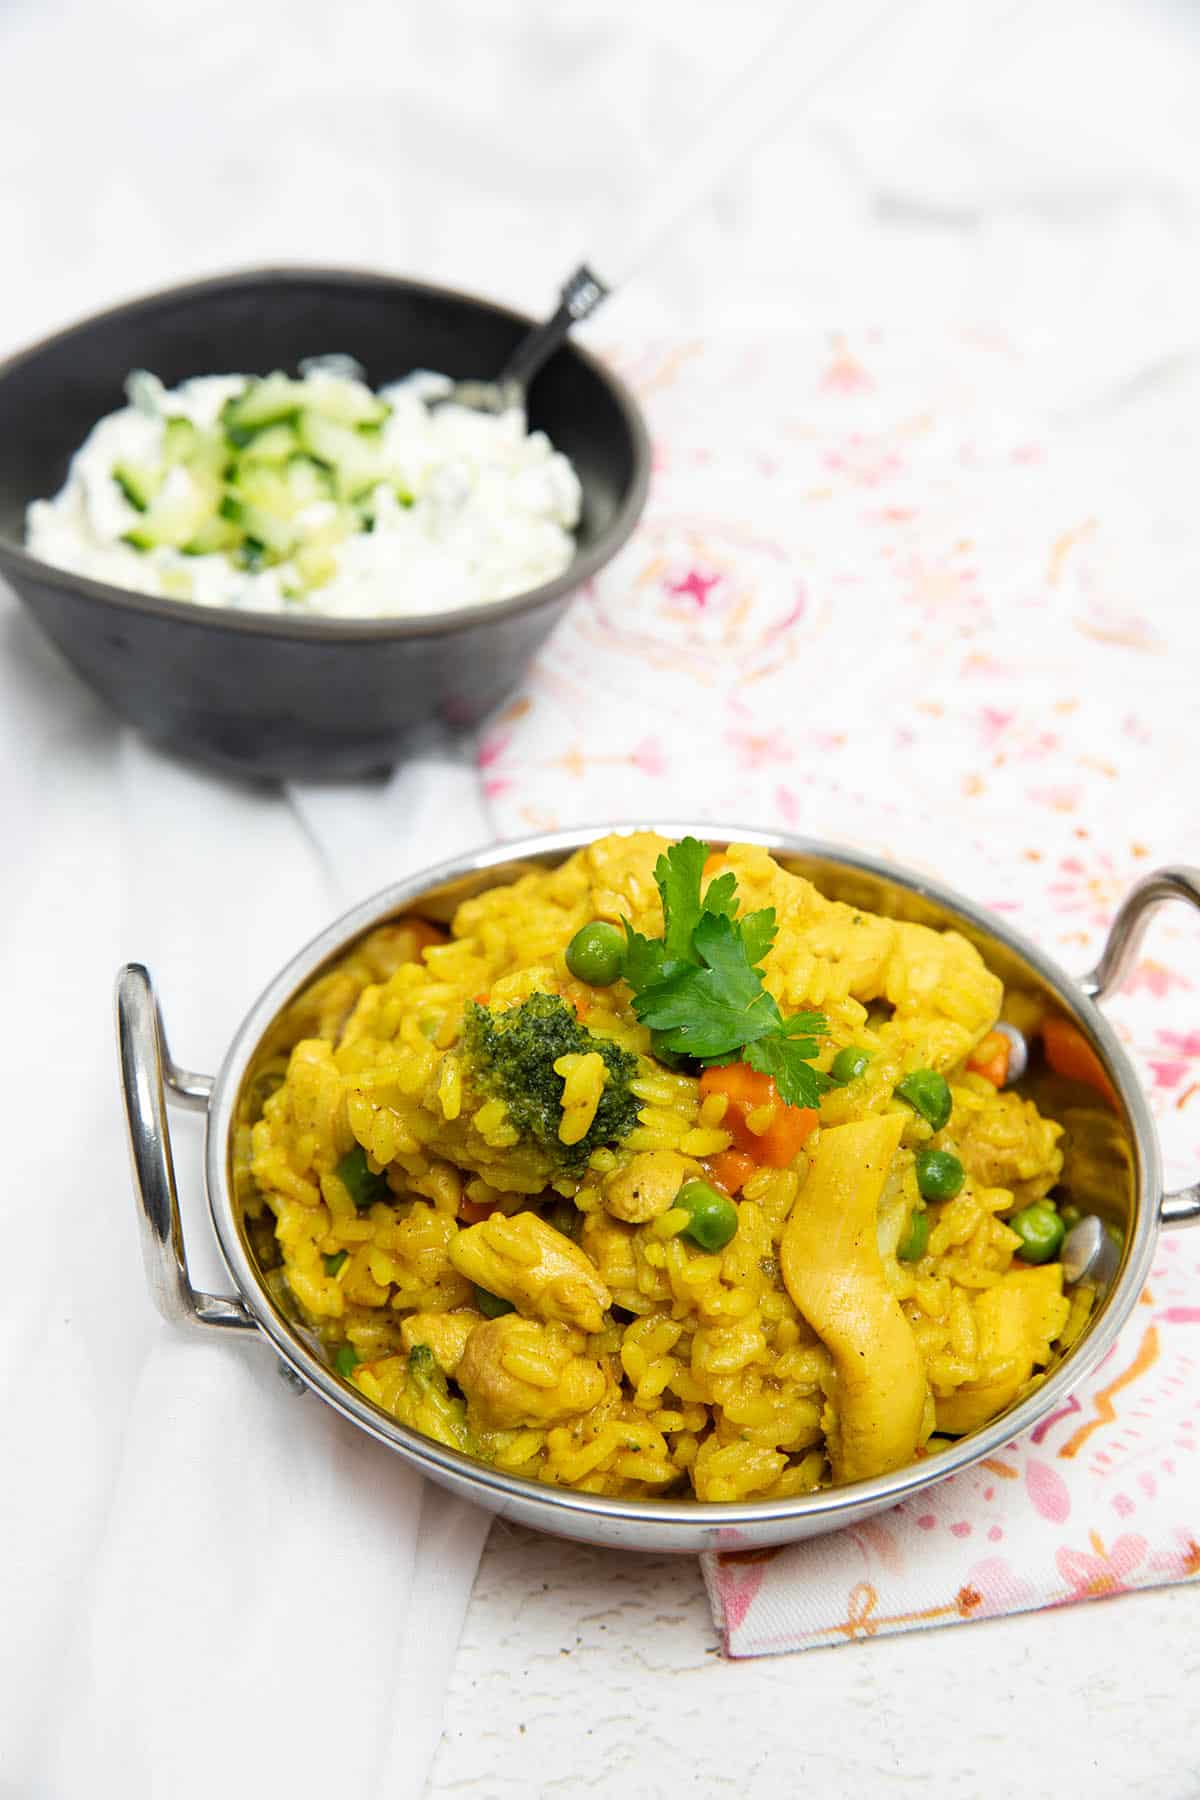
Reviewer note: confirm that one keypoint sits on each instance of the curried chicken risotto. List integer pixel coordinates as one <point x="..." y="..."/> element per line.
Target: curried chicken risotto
<point x="664" y="1174"/>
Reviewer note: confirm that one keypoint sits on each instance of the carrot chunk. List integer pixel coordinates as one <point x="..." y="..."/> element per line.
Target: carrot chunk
<point x="990" y="1058"/>
<point x="751" y="1094"/>
<point x="1069" y="1053"/>
<point x="732" y="1169"/>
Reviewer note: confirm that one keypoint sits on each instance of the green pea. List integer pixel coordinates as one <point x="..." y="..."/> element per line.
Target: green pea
<point x="913" y="1244"/>
<point x="345" y="1360"/>
<point x="713" y="1218"/>
<point x="336" y="1263"/>
<point x="596" y="954"/>
<point x="360" y="1181"/>
<point x="1040" y="1230"/>
<point x="849" y="1063"/>
<point x="940" y="1175"/>
<point x="491" y="1305"/>
<point x="1070" y="1216"/>
<point x="928" y="1093"/>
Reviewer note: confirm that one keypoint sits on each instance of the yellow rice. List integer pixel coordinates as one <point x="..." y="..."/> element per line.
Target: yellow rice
<point x="635" y="1363"/>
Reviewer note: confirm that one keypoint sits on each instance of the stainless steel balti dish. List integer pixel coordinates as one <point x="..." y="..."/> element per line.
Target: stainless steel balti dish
<point x="1134" y="1198"/>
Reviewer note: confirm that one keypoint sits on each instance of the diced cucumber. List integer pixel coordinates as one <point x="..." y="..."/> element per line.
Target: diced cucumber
<point x="202" y="453"/>
<point x="251" y="555"/>
<point x="282" y="451"/>
<point x="138" y="482"/>
<point x="356" y="462"/>
<point x="255" y="521"/>
<point x="176" y="514"/>
<point x="342" y="522"/>
<point x="315" y="564"/>
<point x="273" y="444"/>
<point x="308" y="480"/>
<point x="216" y="535"/>
<point x="262" y="403"/>
<point x="180" y="441"/>
<point x="345" y="402"/>
<point x="260" y="485"/>
<point x="282" y="492"/>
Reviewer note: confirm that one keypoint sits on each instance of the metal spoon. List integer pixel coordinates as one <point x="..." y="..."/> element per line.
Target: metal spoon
<point x="581" y="294"/>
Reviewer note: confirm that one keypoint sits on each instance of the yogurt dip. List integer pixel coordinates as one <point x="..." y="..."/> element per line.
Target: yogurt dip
<point x="312" y="496"/>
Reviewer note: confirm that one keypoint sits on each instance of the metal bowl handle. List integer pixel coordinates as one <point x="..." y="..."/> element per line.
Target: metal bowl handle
<point x="1121" y="946"/>
<point x="145" y="1065"/>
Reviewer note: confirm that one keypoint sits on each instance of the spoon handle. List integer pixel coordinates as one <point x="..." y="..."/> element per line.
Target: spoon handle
<point x="581" y="294"/>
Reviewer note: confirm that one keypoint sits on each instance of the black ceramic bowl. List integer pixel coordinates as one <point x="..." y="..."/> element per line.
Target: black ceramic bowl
<point x="308" y="697"/>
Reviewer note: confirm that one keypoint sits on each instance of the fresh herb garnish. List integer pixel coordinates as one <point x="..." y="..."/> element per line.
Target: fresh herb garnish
<point x="700" y="985"/>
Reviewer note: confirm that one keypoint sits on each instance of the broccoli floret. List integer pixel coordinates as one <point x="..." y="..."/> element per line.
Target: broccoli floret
<point x="426" y="1403"/>
<point x="511" y="1056"/>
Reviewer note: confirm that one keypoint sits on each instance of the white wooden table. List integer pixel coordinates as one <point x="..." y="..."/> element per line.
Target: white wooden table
<point x="585" y="1673"/>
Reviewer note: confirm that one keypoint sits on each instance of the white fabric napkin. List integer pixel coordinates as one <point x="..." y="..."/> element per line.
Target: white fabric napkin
<point x="206" y="1578"/>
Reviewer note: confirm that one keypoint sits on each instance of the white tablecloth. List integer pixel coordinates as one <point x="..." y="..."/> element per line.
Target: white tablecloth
<point x="1048" y="185"/>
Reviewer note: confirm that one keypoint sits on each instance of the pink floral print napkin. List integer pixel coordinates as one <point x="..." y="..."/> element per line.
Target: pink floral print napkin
<point x="874" y="600"/>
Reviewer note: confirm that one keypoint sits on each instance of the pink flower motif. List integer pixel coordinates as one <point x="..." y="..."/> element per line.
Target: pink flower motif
<point x="1167" y="1074"/>
<point x="695" y="586"/>
<point x="788" y="804"/>
<point x="874" y="1538"/>
<point x="1092" y="889"/>
<point x="1101" y="1571"/>
<point x="649" y="756"/>
<point x="738" y="1586"/>
<point x="1000" y="1590"/>
<point x="1186" y="1043"/>
<point x="993" y="724"/>
<point x="1152" y="978"/>
<point x="865" y="461"/>
<point x="491" y="749"/>
<point x="756" y="748"/>
<point x="1064" y="1412"/>
<point x="1048" y="1491"/>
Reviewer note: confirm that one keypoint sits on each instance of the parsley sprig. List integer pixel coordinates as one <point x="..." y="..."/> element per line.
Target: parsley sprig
<point x="700" y="985"/>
